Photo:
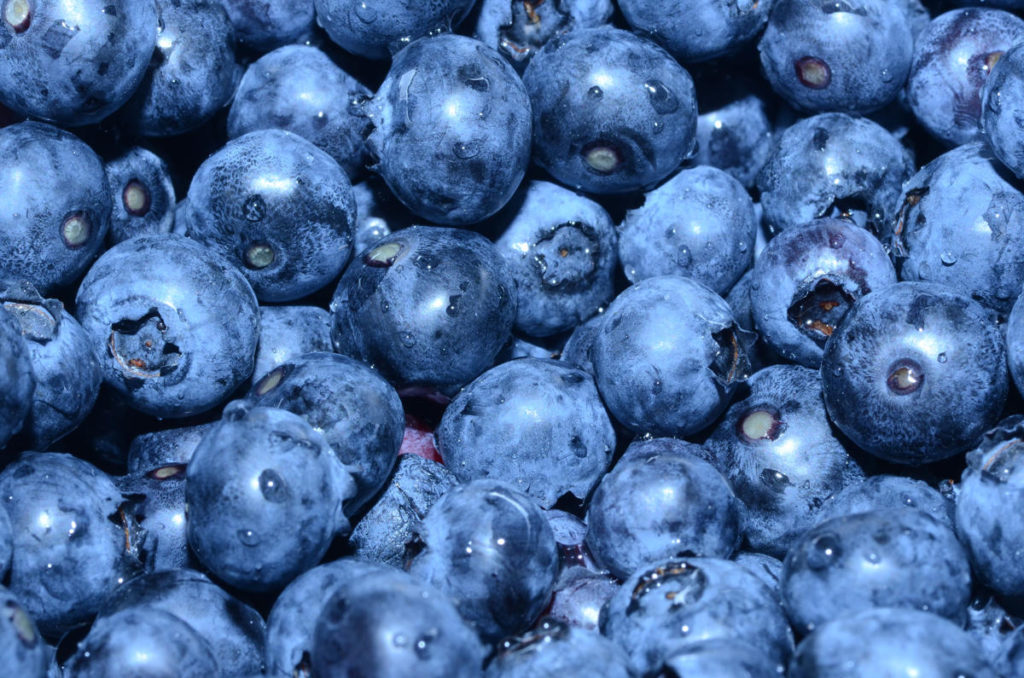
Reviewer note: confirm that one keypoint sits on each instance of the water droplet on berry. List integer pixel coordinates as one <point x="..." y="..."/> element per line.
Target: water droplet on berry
<point x="947" y="258"/>
<point x="248" y="537"/>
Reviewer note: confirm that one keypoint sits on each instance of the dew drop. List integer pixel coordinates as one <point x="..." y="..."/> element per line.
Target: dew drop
<point x="886" y="75"/>
<point x="364" y="13"/>
<point x="824" y="552"/>
<point x="662" y="99"/>
<point x="467" y="149"/>
<point x="941" y="357"/>
<point x="683" y="257"/>
<point x="248" y="537"/>
<point x="595" y="92"/>
<point x="254" y="208"/>
<point x="872" y="557"/>
<point x="947" y="258"/>
<point x="407" y="339"/>
<point x="272" y="486"/>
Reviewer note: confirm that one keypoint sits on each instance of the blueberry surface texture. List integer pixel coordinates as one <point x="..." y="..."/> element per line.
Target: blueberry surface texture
<point x="141" y="193"/>
<point x="17" y="380"/>
<point x="885" y="493"/>
<point x="733" y="130"/>
<point x="555" y="648"/>
<point x="1001" y="107"/>
<point x="157" y="503"/>
<point x="698" y="31"/>
<point x="23" y="651"/>
<point x="376" y="29"/>
<point x="287" y="332"/>
<point x="265" y="24"/>
<point x="722" y="659"/>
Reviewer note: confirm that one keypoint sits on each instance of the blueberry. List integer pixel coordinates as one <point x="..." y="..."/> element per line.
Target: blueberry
<point x="357" y="411"/>
<point x="915" y="373"/>
<point x="699" y="224"/>
<point x="698" y="31"/>
<point x="427" y="306"/>
<point x="561" y="248"/>
<point x="579" y="595"/>
<point x="489" y="548"/>
<point x="55" y="210"/>
<point x="722" y="659"/>
<point x="287" y="332"/>
<point x="157" y="503"/>
<point x="173" y="325"/>
<point x="991" y="626"/>
<point x="375" y="29"/>
<point x="378" y="213"/>
<point x="576" y="351"/>
<point x="885" y="493"/>
<point x="1011" y="659"/>
<point x="538" y="425"/>
<point x="17" y="380"/>
<point x="668" y="356"/>
<point x="23" y="652"/>
<point x="264" y="492"/>
<point x="278" y="208"/>
<point x="263" y="25"/>
<point x="168" y="447"/>
<point x="555" y="648"/>
<point x="766" y="568"/>
<point x="451" y="129"/>
<point x="1001" y="98"/>
<point x="298" y="88"/>
<point x="612" y="112"/>
<point x="837" y="55"/>
<point x="73" y="62"/>
<point x="733" y="130"/>
<point x="519" y="29"/>
<point x="142" y="195"/>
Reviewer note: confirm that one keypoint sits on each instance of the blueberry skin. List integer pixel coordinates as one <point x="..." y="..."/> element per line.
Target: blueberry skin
<point x="668" y="356"/>
<point x="960" y="224"/>
<point x="264" y="492"/>
<point x="192" y="74"/>
<point x="1011" y="658"/>
<point x="165" y="448"/>
<point x="287" y="332"/>
<point x="263" y="25"/>
<point x="1000" y="108"/>
<point x="292" y="620"/>
<point x="67" y="373"/>
<point x="55" y="210"/>
<point x="239" y="630"/>
<point x="722" y="659"/>
<point x="992" y="627"/>
<point x="561" y="248"/>
<point x="426" y="305"/>
<point x="375" y="30"/>
<point x="915" y="373"/>
<point x="489" y="548"/>
<point x="1015" y="343"/>
<point x="359" y="414"/>
<point x="807" y="279"/>
<point x="834" y="165"/>
<point x="672" y="605"/>
<point x="538" y="425"/>
<point x="885" y="493"/>
<point x="518" y="31"/>
<point x="6" y="544"/>
<point x="733" y="130"/>
<point x="889" y="642"/>
<point x="902" y="558"/>
<point x="612" y="112"/>
<point x="852" y="56"/>
<point x="74" y="62"/>
<point x="779" y="455"/>
<point x="576" y="351"/>
<point x="299" y="89"/>
<point x="699" y="224"/>
<point x="278" y="208"/>
<point x="68" y="553"/>
<point x="196" y="310"/>
<point x="659" y="501"/>
<point x="385" y="532"/>
<point x="952" y="59"/>
<point x="698" y="31"/>
<point x="579" y="595"/>
<point x="23" y="652"/>
<point x="17" y="380"/>
<point x="157" y="499"/>
<point x="987" y="520"/>
<point x="766" y="568"/>
<point x="451" y="129"/>
<point x="555" y="648"/>
<point x="142" y="641"/>
<point x="141" y="193"/>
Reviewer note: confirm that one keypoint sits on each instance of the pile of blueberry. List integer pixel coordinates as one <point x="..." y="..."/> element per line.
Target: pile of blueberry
<point x="512" y="338"/>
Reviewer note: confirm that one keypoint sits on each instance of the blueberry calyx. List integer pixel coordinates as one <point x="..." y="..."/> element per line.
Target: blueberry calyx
<point x="690" y="580"/>
<point x="905" y="377"/>
<point x="818" y="312"/>
<point x="259" y="255"/>
<point x="383" y="256"/>
<point x="75" y="229"/>
<point x="22" y="624"/>
<point x="602" y="157"/>
<point x="18" y="14"/>
<point x="136" y="198"/>
<point x="813" y="72"/>
<point x="141" y="348"/>
<point x="530" y="28"/>
<point x="731" y="362"/>
<point x="567" y="256"/>
<point x="760" y="423"/>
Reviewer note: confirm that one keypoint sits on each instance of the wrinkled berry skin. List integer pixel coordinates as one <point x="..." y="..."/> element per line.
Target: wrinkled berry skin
<point x="953" y="57"/>
<point x="55" y="210"/>
<point x="278" y="208"/>
<point x="668" y="356"/>
<point x="961" y="224"/>
<point x="851" y="56"/>
<point x="698" y="31"/>
<point x="699" y="224"/>
<point x="23" y="652"/>
<point x="489" y="548"/>
<point x="535" y="424"/>
<point x="426" y="305"/>
<point x="68" y="553"/>
<point x="779" y="455"/>
<point x="1001" y="107"/>
<point x="451" y="129"/>
<point x="141" y="193"/>
<point x="76" y="61"/>
<point x="834" y="165"/>
<point x="661" y="500"/>
<point x="889" y="558"/>
<point x="17" y="380"/>
<point x="806" y="280"/>
<point x="264" y="493"/>
<point x="356" y="410"/>
<point x="885" y="493"/>
<point x="915" y="373"/>
<point x="173" y="326"/>
<point x="299" y="89"/>
<point x="889" y="642"/>
<point x="561" y="248"/>
<point x="672" y="605"/>
<point x="375" y="30"/>
<point x="612" y="112"/>
<point x="555" y="648"/>
<point x="265" y="24"/>
<point x="142" y="641"/>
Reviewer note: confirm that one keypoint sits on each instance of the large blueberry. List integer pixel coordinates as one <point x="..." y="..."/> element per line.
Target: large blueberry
<point x="173" y="325"/>
<point x="142" y="194"/>
<point x="538" y="425"/>
<point x="612" y="112"/>
<point x="1002" y="105"/>
<point x="17" y="380"/>
<point x="885" y="493"/>
<point x="451" y="129"/>
<point x="722" y="658"/>
<point x="915" y="373"/>
<point x="375" y="29"/>
<point x="278" y="208"/>
<point x="698" y="31"/>
<point x="262" y="25"/>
